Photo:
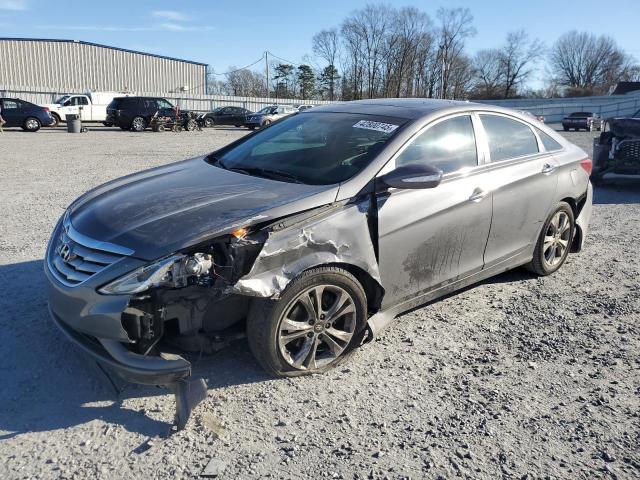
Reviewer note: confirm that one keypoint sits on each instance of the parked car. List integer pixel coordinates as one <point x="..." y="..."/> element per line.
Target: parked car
<point x="20" y="113"/>
<point x="235" y="116"/>
<point x="302" y="108"/>
<point x="582" y="121"/>
<point x="268" y="115"/>
<point x="134" y="113"/>
<point x="311" y="235"/>
<point x="91" y="106"/>
<point x="616" y="152"/>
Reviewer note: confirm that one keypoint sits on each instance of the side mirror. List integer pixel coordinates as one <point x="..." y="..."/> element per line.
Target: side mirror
<point x="413" y="176"/>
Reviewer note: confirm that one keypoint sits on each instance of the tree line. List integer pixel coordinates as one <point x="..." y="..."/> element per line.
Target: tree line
<point x="383" y="51"/>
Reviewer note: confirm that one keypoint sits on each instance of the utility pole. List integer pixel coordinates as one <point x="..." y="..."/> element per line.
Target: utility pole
<point x="266" y="64"/>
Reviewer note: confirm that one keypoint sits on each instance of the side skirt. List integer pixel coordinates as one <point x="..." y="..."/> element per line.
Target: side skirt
<point x="383" y="318"/>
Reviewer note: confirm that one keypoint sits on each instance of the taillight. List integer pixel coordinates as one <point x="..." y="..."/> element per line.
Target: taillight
<point x="587" y="164"/>
<point x="45" y="109"/>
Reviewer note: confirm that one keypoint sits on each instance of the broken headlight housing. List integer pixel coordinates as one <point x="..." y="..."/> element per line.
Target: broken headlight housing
<point x="176" y="271"/>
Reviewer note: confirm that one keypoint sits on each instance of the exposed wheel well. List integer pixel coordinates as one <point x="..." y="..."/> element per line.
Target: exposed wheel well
<point x="576" y="206"/>
<point x="372" y="289"/>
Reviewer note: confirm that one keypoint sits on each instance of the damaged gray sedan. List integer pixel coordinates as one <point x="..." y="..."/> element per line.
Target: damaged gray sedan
<point x="311" y="235"/>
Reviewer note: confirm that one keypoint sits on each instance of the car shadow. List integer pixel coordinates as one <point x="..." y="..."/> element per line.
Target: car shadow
<point x="48" y="384"/>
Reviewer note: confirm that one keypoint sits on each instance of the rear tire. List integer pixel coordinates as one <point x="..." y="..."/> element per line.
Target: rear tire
<point x="138" y="124"/>
<point x="31" y="124"/>
<point x="291" y="336"/>
<point x="56" y="120"/>
<point x="554" y="242"/>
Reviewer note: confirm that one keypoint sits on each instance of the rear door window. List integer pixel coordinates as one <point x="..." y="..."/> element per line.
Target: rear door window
<point x="10" y="105"/>
<point x="449" y="145"/>
<point x="508" y="138"/>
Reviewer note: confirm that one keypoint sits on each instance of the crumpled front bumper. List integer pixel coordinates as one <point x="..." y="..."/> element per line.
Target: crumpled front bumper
<point x="93" y="322"/>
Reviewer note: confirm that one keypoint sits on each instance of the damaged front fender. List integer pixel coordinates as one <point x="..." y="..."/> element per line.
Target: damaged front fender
<point x="335" y="234"/>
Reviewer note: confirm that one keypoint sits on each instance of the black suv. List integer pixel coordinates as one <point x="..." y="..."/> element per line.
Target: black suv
<point x="134" y="113"/>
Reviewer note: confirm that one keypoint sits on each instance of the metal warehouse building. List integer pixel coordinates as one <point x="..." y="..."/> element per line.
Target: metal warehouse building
<point x="76" y="66"/>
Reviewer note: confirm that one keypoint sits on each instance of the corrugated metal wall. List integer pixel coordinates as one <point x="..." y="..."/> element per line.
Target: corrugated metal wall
<point x="61" y="66"/>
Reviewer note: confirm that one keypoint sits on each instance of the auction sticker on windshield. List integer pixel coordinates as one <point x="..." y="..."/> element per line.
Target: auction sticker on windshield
<point x="377" y="126"/>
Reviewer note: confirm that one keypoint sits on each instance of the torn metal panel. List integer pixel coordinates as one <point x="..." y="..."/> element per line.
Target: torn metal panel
<point x="337" y="235"/>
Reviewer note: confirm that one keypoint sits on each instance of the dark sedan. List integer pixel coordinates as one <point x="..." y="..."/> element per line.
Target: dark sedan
<point x="29" y="117"/>
<point x="226" y="116"/>
<point x="582" y="121"/>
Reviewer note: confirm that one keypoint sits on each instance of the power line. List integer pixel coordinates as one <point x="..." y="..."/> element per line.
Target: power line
<point x="238" y="69"/>
<point x="284" y="59"/>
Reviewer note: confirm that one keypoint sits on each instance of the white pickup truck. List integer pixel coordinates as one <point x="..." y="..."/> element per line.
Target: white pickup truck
<point x="91" y="106"/>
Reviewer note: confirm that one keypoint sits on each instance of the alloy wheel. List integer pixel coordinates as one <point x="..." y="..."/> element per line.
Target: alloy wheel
<point x="556" y="239"/>
<point x="32" y="124"/>
<point x="317" y="327"/>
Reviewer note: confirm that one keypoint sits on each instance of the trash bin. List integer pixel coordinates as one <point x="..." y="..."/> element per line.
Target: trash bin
<point x="74" y="125"/>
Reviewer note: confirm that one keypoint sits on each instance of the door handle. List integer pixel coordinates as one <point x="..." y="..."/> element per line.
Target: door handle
<point x="548" y="168"/>
<point x="477" y="195"/>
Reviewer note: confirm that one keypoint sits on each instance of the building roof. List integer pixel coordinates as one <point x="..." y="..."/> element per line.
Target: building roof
<point x="99" y="45"/>
<point x="625" y="87"/>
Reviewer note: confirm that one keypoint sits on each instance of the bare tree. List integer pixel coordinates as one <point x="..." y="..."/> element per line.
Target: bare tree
<point x="588" y="64"/>
<point x="517" y="59"/>
<point x="245" y="83"/>
<point x="326" y="45"/>
<point x="488" y="72"/>
<point x="456" y="25"/>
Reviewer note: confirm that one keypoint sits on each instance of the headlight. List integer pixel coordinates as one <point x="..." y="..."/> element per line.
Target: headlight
<point x="171" y="272"/>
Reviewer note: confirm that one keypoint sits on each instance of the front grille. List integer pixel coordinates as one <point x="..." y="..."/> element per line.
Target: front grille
<point x="628" y="150"/>
<point x="75" y="258"/>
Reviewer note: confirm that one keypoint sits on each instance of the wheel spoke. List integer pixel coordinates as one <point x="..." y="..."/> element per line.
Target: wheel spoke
<point x="341" y="307"/>
<point x="291" y="325"/>
<point x="335" y="347"/>
<point x="289" y="337"/>
<point x="308" y="304"/>
<point x="303" y="353"/>
<point x="339" y="334"/>
<point x="548" y="241"/>
<point x="554" y="223"/>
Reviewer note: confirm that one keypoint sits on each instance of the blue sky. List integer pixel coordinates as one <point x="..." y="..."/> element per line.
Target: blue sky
<point x="227" y="32"/>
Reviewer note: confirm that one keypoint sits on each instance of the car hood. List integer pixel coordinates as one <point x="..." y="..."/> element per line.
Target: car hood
<point x="159" y="211"/>
<point x="625" y="127"/>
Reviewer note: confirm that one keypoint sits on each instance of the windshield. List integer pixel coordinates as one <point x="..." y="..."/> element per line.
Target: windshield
<point x="267" y="110"/>
<point x="62" y="99"/>
<point x="314" y="148"/>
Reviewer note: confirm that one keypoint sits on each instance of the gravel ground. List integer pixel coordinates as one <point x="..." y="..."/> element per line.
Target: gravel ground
<point x="518" y="377"/>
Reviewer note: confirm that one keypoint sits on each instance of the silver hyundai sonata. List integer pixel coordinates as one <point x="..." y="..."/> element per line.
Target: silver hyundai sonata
<point x="311" y="235"/>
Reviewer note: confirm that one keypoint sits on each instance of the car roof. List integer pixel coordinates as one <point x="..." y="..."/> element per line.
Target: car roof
<point x="409" y="108"/>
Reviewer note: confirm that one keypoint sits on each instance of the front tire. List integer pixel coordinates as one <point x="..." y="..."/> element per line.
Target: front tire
<point x="314" y="325"/>
<point x="554" y="242"/>
<point x="208" y="122"/>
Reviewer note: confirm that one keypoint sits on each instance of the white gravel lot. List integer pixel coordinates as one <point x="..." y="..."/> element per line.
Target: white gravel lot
<point x="518" y="377"/>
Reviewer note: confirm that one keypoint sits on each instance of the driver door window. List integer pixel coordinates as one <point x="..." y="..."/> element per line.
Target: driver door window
<point x="449" y="145"/>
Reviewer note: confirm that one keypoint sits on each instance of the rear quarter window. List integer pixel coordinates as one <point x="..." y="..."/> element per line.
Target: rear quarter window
<point x="550" y="145"/>
<point x="508" y="138"/>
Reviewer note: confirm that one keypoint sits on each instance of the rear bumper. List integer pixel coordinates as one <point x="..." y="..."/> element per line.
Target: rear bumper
<point x="582" y="222"/>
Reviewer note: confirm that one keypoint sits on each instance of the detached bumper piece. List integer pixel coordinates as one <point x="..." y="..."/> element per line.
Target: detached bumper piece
<point x="168" y="370"/>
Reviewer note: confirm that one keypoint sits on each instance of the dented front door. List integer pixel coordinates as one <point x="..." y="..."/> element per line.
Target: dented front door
<point x="430" y="237"/>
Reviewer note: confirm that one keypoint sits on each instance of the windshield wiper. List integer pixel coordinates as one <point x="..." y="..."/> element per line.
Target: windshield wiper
<point x="267" y="173"/>
<point x="216" y="162"/>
